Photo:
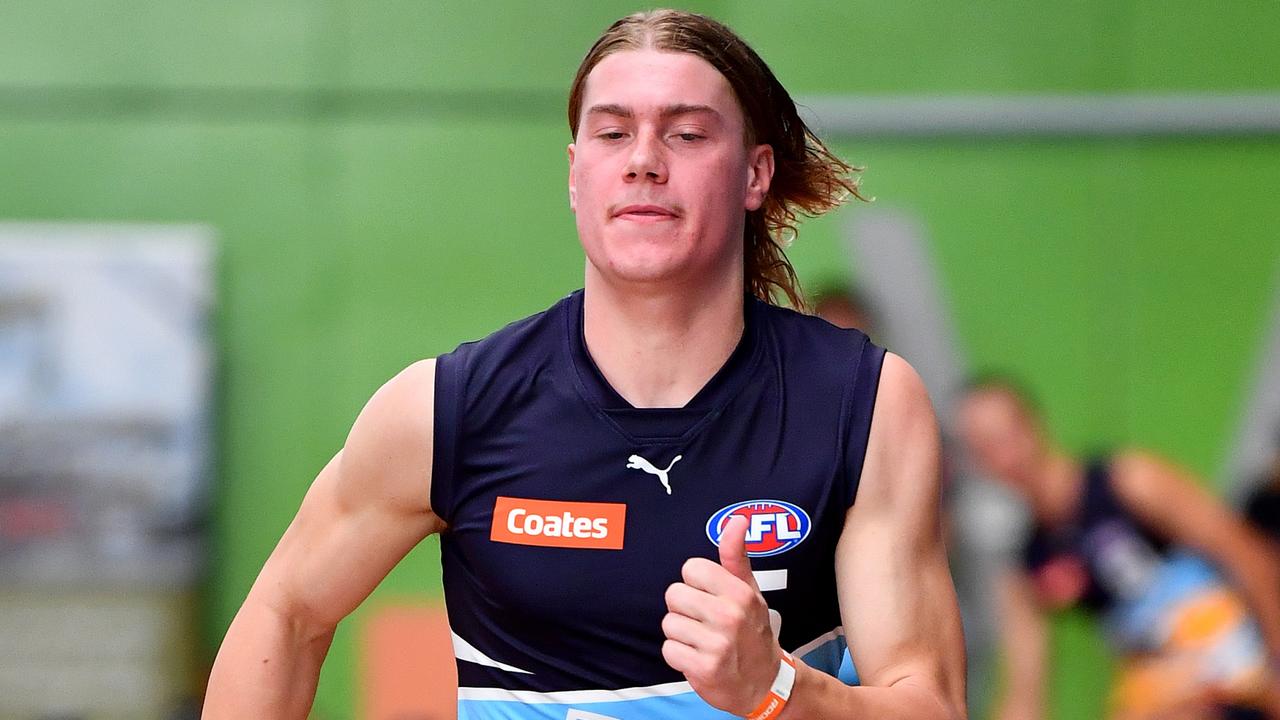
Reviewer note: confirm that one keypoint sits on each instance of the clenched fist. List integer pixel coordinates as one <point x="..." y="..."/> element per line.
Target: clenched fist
<point x="717" y="627"/>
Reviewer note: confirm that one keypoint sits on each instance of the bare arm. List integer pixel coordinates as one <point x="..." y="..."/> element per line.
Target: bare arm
<point x="366" y="509"/>
<point x="1173" y="503"/>
<point x="897" y="601"/>
<point x="1025" y="636"/>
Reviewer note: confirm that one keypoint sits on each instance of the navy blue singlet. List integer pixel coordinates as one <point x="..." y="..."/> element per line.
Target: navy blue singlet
<point x="1109" y="552"/>
<point x="570" y="512"/>
<point x="1108" y="561"/>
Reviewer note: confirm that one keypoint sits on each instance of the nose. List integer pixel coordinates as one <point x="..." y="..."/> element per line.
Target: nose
<point x="646" y="160"/>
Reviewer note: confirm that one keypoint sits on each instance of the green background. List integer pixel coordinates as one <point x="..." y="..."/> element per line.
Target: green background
<point x="388" y="179"/>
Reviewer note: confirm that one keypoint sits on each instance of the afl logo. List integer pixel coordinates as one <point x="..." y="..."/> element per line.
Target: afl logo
<point x="773" y="526"/>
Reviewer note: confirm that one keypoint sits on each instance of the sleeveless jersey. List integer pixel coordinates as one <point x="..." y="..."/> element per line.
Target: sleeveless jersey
<point x="570" y="512"/>
<point x="1141" y="586"/>
<point x="1106" y="552"/>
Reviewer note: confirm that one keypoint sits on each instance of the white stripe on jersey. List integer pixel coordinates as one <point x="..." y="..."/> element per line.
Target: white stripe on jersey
<point x="575" y="697"/>
<point x="464" y="650"/>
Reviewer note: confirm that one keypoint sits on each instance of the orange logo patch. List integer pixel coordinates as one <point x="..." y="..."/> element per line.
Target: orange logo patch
<point x="558" y="523"/>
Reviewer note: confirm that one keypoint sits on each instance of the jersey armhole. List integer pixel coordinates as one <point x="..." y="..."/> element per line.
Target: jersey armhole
<point x="861" y="405"/>
<point x="446" y="427"/>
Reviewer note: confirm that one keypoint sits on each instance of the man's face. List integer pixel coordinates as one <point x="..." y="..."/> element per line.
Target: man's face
<point x="1004" y="441"/>
<point x="659" y="176"/>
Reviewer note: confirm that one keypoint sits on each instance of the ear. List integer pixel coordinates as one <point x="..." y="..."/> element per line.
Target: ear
<point x="759" y="175"/>
<point x="573" y="186"/>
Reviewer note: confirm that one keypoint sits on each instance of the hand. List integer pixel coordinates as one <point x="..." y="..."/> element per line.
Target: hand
<point x="717" y="627"/>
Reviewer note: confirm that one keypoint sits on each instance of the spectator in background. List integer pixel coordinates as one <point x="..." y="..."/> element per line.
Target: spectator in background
<point x="844" y="307"/>
<point x="1172" y="572"/>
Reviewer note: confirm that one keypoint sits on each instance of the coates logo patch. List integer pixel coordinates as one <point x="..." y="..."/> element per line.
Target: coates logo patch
<point x="773" y="526"/>
<point x="558" y="523"/>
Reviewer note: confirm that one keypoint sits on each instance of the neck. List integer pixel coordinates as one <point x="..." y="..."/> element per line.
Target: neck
<point x="657" y="347"/>
<point x="1060" y="482"/>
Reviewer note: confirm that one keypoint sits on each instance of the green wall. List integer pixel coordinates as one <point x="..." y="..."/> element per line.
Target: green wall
<point x="387" y="179"/>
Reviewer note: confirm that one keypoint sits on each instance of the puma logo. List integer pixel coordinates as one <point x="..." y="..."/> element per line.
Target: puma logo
<point x="635" y="462"/>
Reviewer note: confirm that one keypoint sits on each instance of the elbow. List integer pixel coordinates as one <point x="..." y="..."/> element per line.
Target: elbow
<point x="300" y="623"/>
<point x="949" y="709"/>
<point x="957" y="709"/>
<point x="939" y="703"/>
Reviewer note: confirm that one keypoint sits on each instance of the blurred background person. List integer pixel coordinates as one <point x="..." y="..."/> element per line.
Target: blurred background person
<point x="1188" y="595"/>
<point x="843" y="306"/>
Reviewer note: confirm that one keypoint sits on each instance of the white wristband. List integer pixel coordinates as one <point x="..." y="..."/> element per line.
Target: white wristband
<point x="779" y="693"/>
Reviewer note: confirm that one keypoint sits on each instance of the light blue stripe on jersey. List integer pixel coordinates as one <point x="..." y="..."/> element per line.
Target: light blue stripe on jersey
<point x="671" y="707"/>
<point x="1140" y="624"/>
<point x="832" y="657"/>
<point x="659" y="702"/>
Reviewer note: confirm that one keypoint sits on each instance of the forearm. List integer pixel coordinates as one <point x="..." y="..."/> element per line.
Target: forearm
<point x="267" y="667"/>
<point x="1025" y="702"/>
<point x="1259" y="582"/>
<point x="1023" y="695"/>
<point x="819" y="696"/>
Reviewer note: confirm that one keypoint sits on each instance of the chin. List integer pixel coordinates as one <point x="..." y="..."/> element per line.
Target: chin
<point x="643" y="259"/>
<point x="637" y="270"/>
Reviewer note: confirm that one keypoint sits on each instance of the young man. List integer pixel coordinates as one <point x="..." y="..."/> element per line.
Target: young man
<point x="646" y="493"/>
<point x="1173" y="574"/>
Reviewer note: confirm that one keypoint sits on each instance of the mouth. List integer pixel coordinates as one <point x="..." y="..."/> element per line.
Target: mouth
<point x="645" y="213"/>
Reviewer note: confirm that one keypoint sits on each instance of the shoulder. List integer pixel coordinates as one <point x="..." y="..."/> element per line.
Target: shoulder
<point x="1139" y="477"/>
<point x="401" y="406"/>
<point x="1166" y="497"/>
<point x="902" y="402"/>
<point x="904" y="424"/>
<point x="819" y="352"/>
<point x="388" y="451"/>
<point x="904" y="447"/>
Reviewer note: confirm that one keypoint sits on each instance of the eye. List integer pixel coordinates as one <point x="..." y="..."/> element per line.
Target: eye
<point x="689" y="137"/>
<point x="612" y="135"/>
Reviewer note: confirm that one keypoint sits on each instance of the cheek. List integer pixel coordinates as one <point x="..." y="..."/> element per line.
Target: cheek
<point x="998" y="455"/>
<point x="1010" y="459"/>
<point x="583" y="181"/>
<point x="1026" y="446"/>
<point x="588" y="172"/>
<point x="720" y="190"/>
<point x="730" y="175"/>
<point x="992" y="455"/>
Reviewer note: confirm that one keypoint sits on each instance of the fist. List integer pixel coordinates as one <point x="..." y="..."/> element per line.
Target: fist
<point x="717" y="627"/>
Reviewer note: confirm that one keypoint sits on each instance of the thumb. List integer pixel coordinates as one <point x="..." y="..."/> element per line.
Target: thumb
<point x="733" y="549"/>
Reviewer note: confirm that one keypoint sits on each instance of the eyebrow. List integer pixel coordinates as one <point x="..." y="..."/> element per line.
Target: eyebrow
<point x="667" y="111"/>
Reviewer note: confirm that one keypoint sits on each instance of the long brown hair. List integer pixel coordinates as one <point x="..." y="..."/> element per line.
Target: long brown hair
<point x="807" y="179"/>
